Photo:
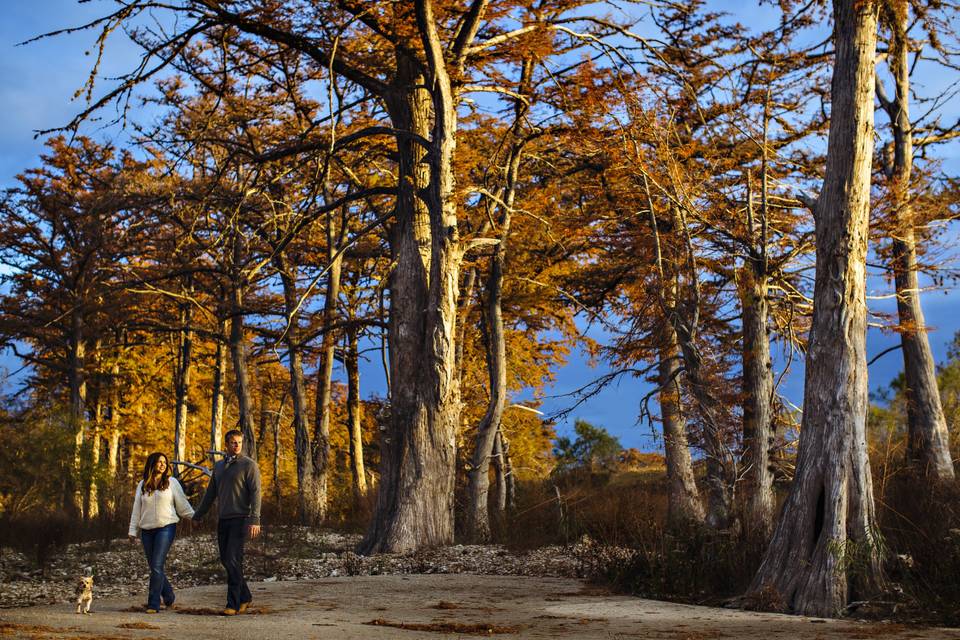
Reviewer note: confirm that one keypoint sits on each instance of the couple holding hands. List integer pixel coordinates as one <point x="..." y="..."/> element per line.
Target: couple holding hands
<point x="160" y="502"/>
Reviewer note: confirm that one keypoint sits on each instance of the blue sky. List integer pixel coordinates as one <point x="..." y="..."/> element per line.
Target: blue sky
<point x="40" y="79"/>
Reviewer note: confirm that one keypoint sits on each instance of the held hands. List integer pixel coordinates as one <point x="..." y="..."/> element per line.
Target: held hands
<point x="132" y="539"/>
<point x="253" y="530"/>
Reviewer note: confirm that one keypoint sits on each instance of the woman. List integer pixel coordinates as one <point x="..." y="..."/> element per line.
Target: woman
<point x="157" y="507"/>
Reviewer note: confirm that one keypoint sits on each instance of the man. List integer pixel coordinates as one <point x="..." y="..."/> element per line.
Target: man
<point x="235" y="485"/>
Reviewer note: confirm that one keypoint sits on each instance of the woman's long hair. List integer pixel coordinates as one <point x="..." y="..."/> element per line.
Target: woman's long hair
<point x="153" y="479"/>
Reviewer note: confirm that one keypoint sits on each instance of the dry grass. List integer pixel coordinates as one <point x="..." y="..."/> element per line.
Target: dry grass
<point x="767" y="599"/>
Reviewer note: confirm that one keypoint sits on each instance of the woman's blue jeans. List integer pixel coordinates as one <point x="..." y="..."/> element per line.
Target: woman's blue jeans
<point x="156" y="544"/>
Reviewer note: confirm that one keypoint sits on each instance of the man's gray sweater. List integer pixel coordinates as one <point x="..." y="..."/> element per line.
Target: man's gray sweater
<point x="236" y="487"/>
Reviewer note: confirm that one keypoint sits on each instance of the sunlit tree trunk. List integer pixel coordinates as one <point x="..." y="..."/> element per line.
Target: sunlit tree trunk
<point x="414" y="505"/>
<point x="91" y="497"/>
<point x="683" y="314"/>
<point x="75" y="417"/>
<point x="477" y="514"/>
<point x="307" y="508"/>
<point x="181" y="383"/>
<point x="276" y="455"/>
<point x="720" y="466"/>
<point x="238" y="354"/>
<point x="321" y="427"/>
<point x="502" y="473"/>
<point x="683" y="498"/>
<point x="828" y="520"/>
<point x="354" y="412"/>
<point x="757" y="401"/>
<point x="216" y="402"/>
<point x="928" y="438"/>
<point x="113" y="440"/>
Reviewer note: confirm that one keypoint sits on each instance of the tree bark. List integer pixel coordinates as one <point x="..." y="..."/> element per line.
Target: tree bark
<point x="307" y="508"/>
<point x="92" y="499"/>
<point x="720" y="465"/>
<point x="928" y="448"/>
<point x="827" y="524"/>
<point x="684" y="317"/>
<point x="354" y="413"/>
<point x="477" y="515"/>
<point x="276" y="453"/>
<point x="683" y="498"/>
<point x="216" y="406"/>
<point x="113" y="442"/>
<point x="181" y="382"/>
<point x="414" y="505"/>
<point x="757" y="401"/>
<point x="238" y="354"/>
<point x="503" y="473"/>
<point x="73" y="500"/>
<point x="321" y="429"/>
<point x="115" y="397"/>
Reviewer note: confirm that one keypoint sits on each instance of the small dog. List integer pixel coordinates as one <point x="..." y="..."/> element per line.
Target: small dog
<point x="84" y="594"/>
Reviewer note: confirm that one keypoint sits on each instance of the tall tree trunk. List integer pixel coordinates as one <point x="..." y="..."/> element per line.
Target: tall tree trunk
<point x="308" y="511"/>
<point x="238" y="354"/>
<point x="113" y="441"/>
<point x="828" y="519"/>
<point x="92" y="499"/>
<point x="757" y="401"/>
<point x="73" y="499"/>
<point x="181" y="382"/>
<point x="216" y="401"/>
<point x="264" y="410"/>
<point x="683" y="498"/>
<point x="276" y="453"/>
<point x="498" y="458"/>
<point x="321" y="427"/>
<point x="758" y="385"/>
<point x="113" y="466"/>
<point x="414" y="505"/>
<point x="352" y="364"/>
<point x="721" y="467"/>
<point x="113" y="446"/>
<point x="477" y="516"/>
<point x="509" y="479"/>
<point x="929" y="441"/>
<point x="684" y="318"/>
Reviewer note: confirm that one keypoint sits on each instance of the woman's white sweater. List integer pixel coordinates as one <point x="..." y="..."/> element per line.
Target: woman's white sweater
<point x="159" y="508"/>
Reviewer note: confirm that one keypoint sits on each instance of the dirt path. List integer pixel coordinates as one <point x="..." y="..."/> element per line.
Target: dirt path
<point x="430" y="606"/>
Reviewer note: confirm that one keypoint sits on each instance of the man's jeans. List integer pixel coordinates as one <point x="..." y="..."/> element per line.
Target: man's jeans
<point x="156" y="544"/>
<point x="231" y="536"/>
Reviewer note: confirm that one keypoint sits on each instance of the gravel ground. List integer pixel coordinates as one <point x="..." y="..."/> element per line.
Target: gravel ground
<point x="281" y="554"/>
<point x="433" y="607"/>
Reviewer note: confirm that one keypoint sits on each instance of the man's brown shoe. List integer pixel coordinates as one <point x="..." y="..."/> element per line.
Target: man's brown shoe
<point x="243" y="607"/>
<point x="228" y="612"/>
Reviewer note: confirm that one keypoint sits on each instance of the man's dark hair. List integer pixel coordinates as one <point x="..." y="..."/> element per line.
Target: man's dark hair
<point x="232" y="432"/>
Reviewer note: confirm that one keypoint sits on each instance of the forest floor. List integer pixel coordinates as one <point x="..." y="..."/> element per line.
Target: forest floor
<point x="309" y="585"/>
